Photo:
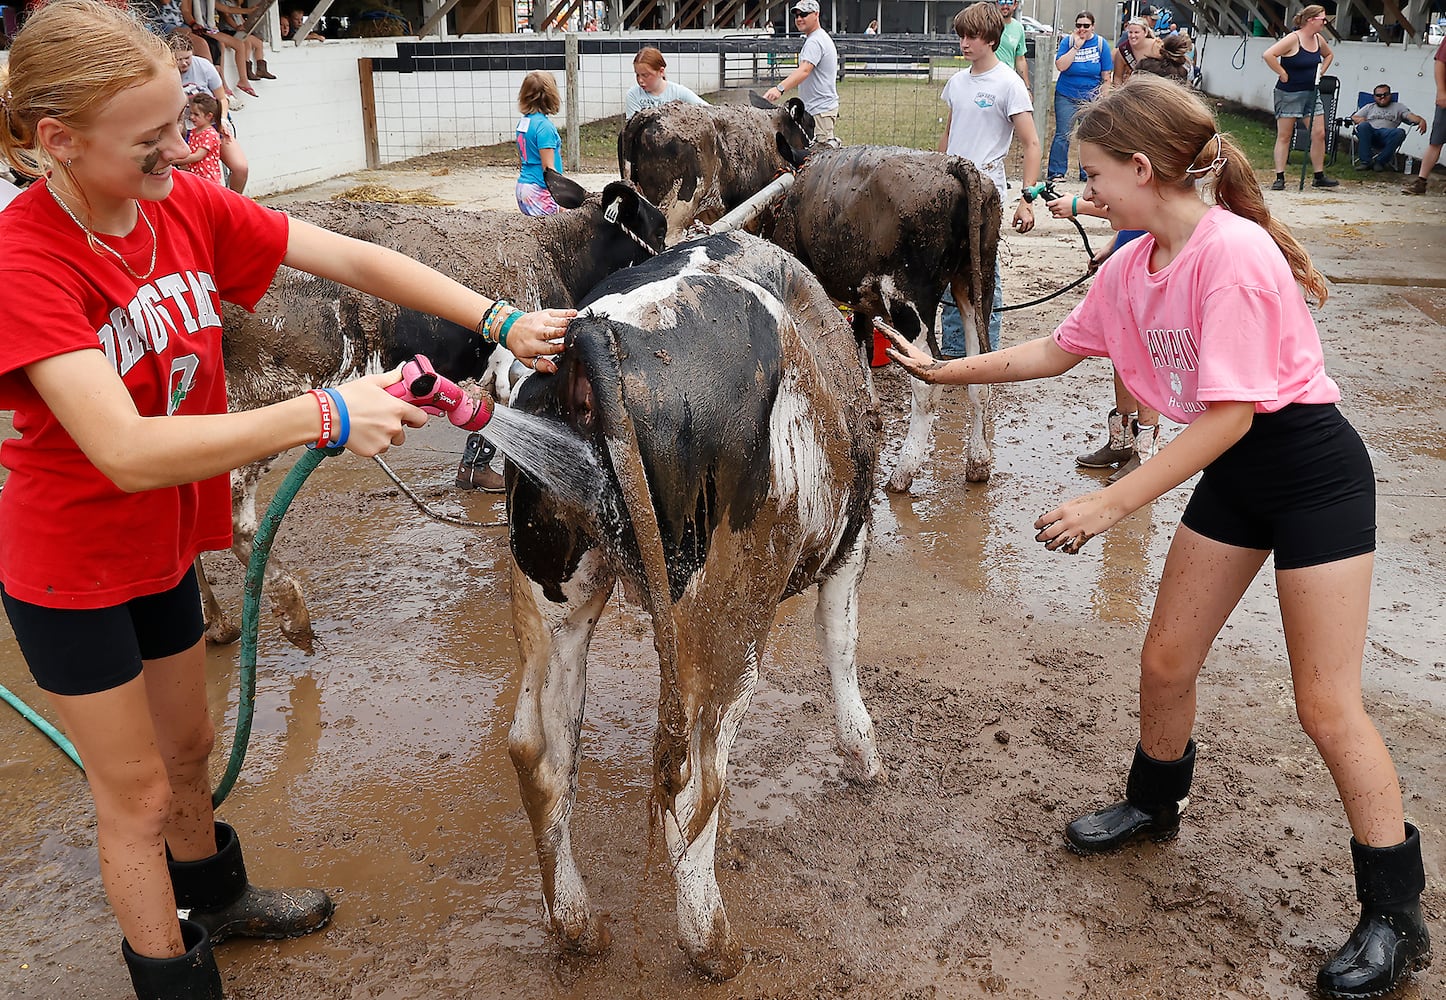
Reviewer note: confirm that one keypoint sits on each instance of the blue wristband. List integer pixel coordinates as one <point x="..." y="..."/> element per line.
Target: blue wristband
<point x="507" y="325"/>
<point x="342" y="418"/>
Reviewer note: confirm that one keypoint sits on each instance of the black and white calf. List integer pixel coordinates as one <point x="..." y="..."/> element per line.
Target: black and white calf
<point x="311" y="332"/>
<point x="736" y="426"/>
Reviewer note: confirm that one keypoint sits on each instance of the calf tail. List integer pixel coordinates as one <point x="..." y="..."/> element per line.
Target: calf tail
<point x="976" y="225"/>
<point x="636" y="501"/>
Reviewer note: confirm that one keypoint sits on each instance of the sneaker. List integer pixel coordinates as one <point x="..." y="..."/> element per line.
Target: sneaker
<point x="1055" y="177"/>
<point x="1416" y="185"/>
<point x="1322" y="181"/>
<point x="1361" y="166"/>
<point x="1279" y="184"/>
<point x="1379" y="168"/>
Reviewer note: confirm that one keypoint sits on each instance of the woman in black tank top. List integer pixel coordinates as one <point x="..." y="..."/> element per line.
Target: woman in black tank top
<point x="1298" y="59"/>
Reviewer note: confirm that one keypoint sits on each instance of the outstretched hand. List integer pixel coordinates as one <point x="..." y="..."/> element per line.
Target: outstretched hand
<point x="377" y="420"/>
<point x="536" y="335"/>
<point x="1074" y="522"/>
<point x="920" y="364"/>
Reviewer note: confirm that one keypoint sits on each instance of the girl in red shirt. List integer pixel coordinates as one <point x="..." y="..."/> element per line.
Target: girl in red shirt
<point x="113" y="267"/>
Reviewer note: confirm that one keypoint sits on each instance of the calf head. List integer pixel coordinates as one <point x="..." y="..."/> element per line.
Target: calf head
<point x="793" y="127"/>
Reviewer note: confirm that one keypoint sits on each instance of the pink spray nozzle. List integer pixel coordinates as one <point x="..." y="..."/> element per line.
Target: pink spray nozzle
<point x="422" y="386"/>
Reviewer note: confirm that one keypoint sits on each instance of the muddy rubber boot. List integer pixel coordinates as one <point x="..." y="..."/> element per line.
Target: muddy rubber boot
<point x="1156" y="794"/>
<point x="1119" y="448"/>
<point x="1391" y="939"/>
<point x="217" y="895"/>
<point x="261" y="72"/>
<point x="475" y="471"/>
<point x="192" y="976"/>
<point x="1146" y="441"/>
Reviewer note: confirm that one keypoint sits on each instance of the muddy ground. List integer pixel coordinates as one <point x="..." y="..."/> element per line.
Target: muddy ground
<point x="1001" y="677"/>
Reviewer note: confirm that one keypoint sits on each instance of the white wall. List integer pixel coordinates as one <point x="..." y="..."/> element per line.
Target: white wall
<point x="307" y="124"/>
<point x="1359" y="65"/>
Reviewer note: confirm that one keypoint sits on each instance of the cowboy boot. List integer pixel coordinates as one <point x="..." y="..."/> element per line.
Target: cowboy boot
<point x="192" y="976"/>
<point x="261" y="72"/>
<point x="1391" y="938"/>
<point x="1147" y="440"/>
<point x="1117" y="449"/>
<point x="1155" y="795"/>
<point x="475" y="471"/>
<point x="218" y="896"/>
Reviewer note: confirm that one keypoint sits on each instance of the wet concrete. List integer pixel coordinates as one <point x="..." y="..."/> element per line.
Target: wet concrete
<point x="1000" y="676"/>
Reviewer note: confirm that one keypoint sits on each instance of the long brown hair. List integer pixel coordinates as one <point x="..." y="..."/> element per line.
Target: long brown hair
<point x="67" y="63"/>
<point x="1178" y="133"/>
<point x="538" y="93"/>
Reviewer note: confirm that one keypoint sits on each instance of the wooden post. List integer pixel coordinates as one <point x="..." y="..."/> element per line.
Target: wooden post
<point x="574" y="113"/>
<point x="369" y="113"/>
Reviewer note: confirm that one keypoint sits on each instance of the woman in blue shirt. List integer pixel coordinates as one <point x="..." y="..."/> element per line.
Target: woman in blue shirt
<point x="538" y="144"/>
<point x="1084" y="62"/>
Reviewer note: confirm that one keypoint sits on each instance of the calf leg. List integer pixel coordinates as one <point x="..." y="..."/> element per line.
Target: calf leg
<point x="546" y="728"/>
<point x="691" y="754"/>
<point x="279" y="584"/>
<point x="218" y="629"/>
<point x="924" y="399"/>
<point x="836" y="622"/>
<point x="978" y="455"/>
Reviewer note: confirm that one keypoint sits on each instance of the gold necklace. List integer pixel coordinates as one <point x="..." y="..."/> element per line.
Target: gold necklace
<point x="97" y="244"/>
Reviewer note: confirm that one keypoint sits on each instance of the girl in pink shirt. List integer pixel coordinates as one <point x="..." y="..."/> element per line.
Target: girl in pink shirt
<point x="1205" y="320"/>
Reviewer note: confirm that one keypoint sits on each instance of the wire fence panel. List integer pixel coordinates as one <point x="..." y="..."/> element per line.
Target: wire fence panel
<point x="438" y="96"/>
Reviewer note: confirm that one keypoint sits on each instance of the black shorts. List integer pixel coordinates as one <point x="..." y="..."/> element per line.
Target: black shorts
<point x="84" y="651"/>
<point x="1299" y="482"/>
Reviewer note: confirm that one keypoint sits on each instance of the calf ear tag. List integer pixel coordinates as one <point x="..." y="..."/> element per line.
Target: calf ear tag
<point x="613" y="210"/>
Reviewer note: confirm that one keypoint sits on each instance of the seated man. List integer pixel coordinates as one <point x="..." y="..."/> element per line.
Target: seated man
<point x="1378" y="131"/>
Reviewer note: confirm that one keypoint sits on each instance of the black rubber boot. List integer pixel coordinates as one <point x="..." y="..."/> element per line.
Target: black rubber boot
<point x="1156" y="794"/>
<point x="192" y="976"/>
<point x="1391" y="939"/>
<point x="475" y="471"/>
<point x="218" y="897"/>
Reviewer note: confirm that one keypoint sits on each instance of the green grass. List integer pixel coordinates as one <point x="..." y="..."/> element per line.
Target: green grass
<point x="895" y="111"/>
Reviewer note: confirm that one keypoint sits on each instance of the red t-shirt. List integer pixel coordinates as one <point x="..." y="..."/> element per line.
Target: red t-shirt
<point x="69" y="538"/>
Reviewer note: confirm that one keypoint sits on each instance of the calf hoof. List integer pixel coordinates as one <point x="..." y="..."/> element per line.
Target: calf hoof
<point x="221" y="632"/>
<point x="899" y="482"/>
<point x="719" y="963"/>
<point x="591" y="937"/>
<point x="295" y="619"/>
<point x="978" y="470"/>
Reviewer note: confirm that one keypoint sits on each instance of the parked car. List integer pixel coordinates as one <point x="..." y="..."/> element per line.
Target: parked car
<point x="1033" y="27"/>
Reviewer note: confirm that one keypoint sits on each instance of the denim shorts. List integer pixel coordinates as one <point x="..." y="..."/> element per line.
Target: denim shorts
<point x="1296" y="103"/>
<point x="1438" y="128"/>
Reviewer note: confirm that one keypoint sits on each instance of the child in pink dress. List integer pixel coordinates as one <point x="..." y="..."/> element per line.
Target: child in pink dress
<point x="204" y="139"/>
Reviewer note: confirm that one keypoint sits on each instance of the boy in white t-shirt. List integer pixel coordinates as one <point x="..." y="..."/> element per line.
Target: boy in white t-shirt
<point x="989" y="107"/>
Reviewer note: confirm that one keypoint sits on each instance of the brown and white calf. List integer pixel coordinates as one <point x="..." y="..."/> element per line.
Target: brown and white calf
<point x="696" y="162"/>
<point x="736" y="430"/>
<point x="310" y="332"/>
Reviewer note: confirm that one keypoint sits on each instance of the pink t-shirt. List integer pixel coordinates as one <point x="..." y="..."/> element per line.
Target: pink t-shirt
<point x="1223" y="321"/>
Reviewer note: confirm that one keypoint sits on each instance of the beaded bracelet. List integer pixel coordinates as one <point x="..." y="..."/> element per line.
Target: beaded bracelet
<point x="507" y="325"/>
<point x="486" y="320"/>
<point x="495" y="327"/>
<point x="342" y="416"/>
<point x="322" y="402"/>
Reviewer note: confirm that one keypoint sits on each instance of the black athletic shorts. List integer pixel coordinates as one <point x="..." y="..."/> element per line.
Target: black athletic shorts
<point x="1299" y="482"/>
<point x="84" y="651"/>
